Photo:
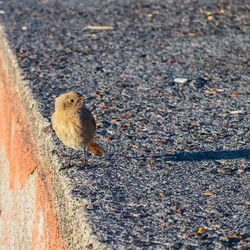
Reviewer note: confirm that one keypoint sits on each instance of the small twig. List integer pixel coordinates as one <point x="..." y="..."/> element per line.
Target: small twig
<point x="97" y="27"/>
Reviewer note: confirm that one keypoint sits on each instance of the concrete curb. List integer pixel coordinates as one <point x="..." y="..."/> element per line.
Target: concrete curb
<point x="30" y="174"/>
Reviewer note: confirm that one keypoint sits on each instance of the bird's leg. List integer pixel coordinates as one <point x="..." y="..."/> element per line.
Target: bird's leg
<point x="69" y="164"/>
<point x="84" y="157"/>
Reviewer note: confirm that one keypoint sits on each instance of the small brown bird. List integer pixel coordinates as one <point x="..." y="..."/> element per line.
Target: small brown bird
<point x="74" y="124"/>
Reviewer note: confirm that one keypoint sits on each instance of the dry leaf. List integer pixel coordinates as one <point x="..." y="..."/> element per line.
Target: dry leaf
<point x="221" y="170"/>
<point x="201" y="230"/>
<point x="234" y="236"/>
<point x="114" y="120"/>
<point x="102" y="105"/>
<point x="192" y="34"/>
<point x="209" y="16"/>
<point x="98" y="122"/>
<point x="126" y="116"/>
<point x="213" y="90"/>
<point x="206" y="78"/>
<point x="98" y="95"/>
<point x="208" y="193"/>
<point x="195" y="123"/>
<point x="162" y="194"/>
<point x="234" y="94"/>
<point x="241" y="170"/>
<point x="221" y="11"/>
<point x="20" y="55"/>
<point x="135" y="146"/>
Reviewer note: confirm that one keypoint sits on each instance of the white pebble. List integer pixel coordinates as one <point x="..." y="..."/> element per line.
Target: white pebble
<point x="235" y="112"/>
<point x="180" y="80"/>
<point x="24" y="28"/>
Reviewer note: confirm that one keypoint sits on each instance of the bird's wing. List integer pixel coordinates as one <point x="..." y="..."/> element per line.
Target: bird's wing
<point x="87" y="117"/>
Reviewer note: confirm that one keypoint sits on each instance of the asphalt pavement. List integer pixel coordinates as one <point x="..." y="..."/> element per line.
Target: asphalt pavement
<point x="176" y="168"/>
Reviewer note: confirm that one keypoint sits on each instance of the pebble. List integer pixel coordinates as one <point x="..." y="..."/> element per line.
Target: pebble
<point x="181" y="80"/>
<point x="235" y="112"/>
<point x="24" y="28"/>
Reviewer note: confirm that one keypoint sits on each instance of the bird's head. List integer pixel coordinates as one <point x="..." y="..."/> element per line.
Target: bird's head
<point x="69" y="101"/>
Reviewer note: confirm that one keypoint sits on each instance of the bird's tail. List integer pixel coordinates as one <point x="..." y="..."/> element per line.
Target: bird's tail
<point x="95" y="149"/>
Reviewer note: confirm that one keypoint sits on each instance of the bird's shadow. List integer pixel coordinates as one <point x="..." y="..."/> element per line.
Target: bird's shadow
<point x="205" y="155"/>
<point x="185" y="156"/>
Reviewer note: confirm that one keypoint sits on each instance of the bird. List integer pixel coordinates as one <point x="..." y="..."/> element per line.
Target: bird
<point x="74" y="124"/>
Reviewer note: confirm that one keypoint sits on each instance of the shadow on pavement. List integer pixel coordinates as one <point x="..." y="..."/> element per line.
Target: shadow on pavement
<point x="206" y="155"/>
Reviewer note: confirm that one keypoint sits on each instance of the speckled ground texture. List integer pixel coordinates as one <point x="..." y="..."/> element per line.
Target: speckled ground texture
<point x="177" y="154"/>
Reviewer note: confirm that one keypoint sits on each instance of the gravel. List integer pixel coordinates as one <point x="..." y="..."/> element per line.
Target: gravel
<point x="177" y="154"/>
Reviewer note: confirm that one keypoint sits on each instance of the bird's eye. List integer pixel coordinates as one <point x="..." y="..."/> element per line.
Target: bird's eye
<point x="71" y="100"/>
